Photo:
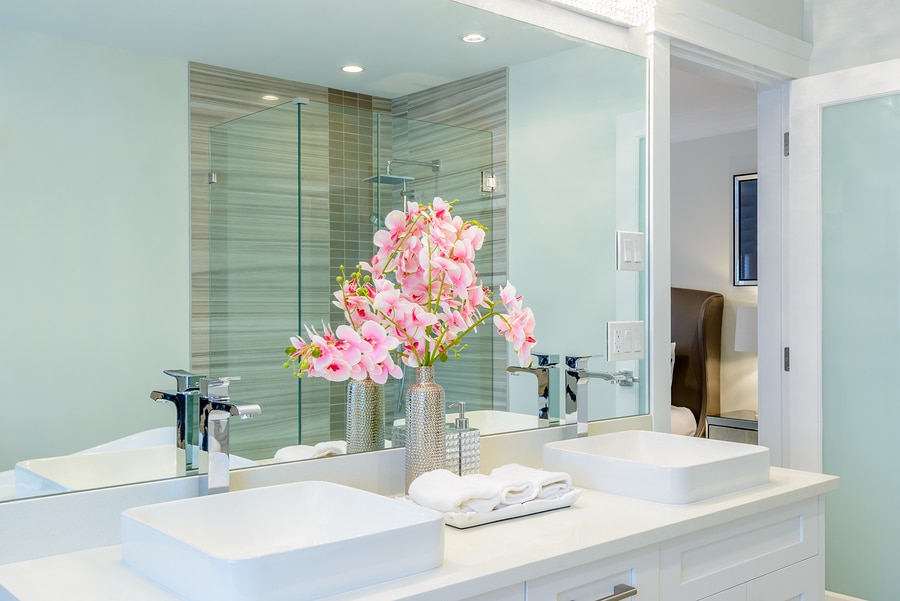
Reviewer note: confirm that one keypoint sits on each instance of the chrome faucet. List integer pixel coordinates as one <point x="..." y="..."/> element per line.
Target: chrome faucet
<point x="216" y="409"/>
<point x="577" y="378"/>
<point x="547" y="384"/>
<point x="186" y="399"/>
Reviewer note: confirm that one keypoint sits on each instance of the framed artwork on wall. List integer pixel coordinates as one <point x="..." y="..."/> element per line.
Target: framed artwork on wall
<point x="745" y="229"/>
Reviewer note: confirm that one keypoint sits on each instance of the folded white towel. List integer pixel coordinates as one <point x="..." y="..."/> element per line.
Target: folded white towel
<point x="443" y="490"/>
<point x="328" y="448"/>
<point x="545" y="485"/>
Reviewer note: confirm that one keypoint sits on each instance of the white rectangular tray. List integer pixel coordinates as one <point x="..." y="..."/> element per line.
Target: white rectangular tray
<point x="467" y="520"/>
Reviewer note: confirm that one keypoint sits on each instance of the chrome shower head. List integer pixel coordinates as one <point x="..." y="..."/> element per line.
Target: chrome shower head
<point x="389" y="179"/>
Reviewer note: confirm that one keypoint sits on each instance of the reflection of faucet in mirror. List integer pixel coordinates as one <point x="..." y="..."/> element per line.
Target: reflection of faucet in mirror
<point x="547" y="385"/>
<point x="577" y="379"/>
<point x="186" y="399"/>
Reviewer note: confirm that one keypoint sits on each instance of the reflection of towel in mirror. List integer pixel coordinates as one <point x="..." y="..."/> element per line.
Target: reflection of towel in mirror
<point x="328" y="448"/>
<point x="443" y="490"/>
<point x="542" y="485"/>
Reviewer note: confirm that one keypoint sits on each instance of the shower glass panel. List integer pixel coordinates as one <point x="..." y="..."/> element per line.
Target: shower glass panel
<point x="300" y="191"/>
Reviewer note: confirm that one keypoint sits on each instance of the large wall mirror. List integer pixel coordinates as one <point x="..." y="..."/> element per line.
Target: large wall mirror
<point x="119" y="264"/>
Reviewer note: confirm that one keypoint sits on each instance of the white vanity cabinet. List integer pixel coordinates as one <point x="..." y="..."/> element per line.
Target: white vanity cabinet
<point x="771" y="556"/>
<point x="598" y="581"/>
<point x="762" y="544"/>
<point x="757" y="553"/>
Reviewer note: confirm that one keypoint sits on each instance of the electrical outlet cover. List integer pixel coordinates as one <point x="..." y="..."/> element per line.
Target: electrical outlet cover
<point x="624" y="340"/>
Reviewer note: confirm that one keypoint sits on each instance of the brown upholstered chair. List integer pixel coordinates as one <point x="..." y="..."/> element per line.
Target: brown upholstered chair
<point x="697" y="334"/>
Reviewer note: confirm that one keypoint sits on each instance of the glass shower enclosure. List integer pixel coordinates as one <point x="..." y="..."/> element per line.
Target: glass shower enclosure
<point x="296" y="192"/>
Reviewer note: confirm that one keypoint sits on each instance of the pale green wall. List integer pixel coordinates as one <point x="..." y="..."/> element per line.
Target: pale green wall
<point x="785" y="16"/>
<point x="94" y="251"/>
<point x="849" y="33"/>
<point x="562" y="199"/>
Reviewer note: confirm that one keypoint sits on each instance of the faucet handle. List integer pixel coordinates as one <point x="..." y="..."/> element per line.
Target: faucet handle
<point x="184" y="380"/>
<point x="216" y="387"/>
<point x="546" y="360"/>
<point x="578" y="361"/>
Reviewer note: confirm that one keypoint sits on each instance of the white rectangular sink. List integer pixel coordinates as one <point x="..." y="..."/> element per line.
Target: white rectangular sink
<point x="666" y="468"/>
<point x="299" y="541"/>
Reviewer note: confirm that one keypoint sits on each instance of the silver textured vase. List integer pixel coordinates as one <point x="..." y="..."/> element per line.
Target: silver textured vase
<point x="425" y="425"/>
<point x="365" y="416"/>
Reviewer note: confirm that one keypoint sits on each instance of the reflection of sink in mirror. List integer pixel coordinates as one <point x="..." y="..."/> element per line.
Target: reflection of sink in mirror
<point x="304" y="540"/>
<point x="661" y="467"/>
<point x="148" y="455"/>
<point x="490" y="421"/>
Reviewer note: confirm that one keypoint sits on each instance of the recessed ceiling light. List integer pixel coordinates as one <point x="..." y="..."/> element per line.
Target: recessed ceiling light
<point x="352" y="69"/>
<point x="270" y="97"/>
<point x="473" y="38"/>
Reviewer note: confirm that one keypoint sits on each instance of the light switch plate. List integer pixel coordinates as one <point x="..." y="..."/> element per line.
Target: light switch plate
<point x="630" y="251"/>
<point x="624" y="340"/>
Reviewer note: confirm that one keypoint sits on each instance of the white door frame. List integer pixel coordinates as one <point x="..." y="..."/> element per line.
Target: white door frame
<point x="803" y="409"/>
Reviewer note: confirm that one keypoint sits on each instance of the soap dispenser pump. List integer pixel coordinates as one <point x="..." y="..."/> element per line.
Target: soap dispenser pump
<point x="463" y="445"/>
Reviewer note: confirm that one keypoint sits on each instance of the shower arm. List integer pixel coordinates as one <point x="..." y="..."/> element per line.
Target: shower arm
<point x="435" y="165"/>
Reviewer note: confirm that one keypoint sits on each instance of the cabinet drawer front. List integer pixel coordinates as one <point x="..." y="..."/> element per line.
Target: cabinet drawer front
<point x="597" y="580"/>
<point x="714" y="559"/>
<point x="799" y="582"/>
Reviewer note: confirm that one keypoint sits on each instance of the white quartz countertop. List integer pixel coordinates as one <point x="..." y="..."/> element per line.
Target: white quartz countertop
<point x="476" y="560"/>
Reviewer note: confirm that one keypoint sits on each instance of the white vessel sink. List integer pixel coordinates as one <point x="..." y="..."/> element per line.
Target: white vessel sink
<point x="299" y="541"/>
<point x="88" y="470"/>
<point x="666" y="468"/>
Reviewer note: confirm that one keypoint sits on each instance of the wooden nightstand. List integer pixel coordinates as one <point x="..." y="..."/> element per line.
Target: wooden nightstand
<point x="735" y="426"/>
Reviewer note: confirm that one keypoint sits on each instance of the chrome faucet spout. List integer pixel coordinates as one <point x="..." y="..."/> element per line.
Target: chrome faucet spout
<point x="216" y="409"/>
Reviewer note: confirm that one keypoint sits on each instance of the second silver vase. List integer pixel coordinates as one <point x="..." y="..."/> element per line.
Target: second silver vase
<point x="425" y="425"/>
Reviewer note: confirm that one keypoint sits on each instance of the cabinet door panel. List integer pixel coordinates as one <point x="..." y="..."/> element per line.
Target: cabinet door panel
<point x="799" y="582"/>
<point x="597" y="580"/>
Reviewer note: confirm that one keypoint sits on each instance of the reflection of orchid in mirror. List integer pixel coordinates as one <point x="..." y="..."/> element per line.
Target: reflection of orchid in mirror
<point x="345" y="353"/>
<point x="434" y="300"/>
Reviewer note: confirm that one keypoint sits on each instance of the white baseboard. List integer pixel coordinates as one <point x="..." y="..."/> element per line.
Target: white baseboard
<point x="829" y="596"/>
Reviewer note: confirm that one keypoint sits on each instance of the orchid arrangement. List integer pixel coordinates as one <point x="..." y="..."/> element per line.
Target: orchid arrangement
<point x="417" y="298"/>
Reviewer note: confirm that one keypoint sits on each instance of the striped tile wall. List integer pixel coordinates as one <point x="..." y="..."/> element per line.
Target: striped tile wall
<point x="257" y="280"/>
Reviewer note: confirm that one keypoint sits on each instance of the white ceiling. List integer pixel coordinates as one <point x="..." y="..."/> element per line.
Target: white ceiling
<point x="405" y="45"/>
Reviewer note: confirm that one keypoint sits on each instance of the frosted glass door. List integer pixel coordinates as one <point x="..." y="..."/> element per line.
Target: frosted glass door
<point x="861" y="341"/>
<point x="845" y="315"/>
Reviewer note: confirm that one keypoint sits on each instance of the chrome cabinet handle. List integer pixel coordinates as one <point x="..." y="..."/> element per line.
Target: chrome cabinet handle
<point x="620" y="591"/>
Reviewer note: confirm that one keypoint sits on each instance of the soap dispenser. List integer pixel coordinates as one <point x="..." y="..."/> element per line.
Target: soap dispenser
<point x="463" y="445"/>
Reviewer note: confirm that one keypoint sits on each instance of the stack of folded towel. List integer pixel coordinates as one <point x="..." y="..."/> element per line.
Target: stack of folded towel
<point x="511" y="484"/>
<point x="328" y="448"/>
